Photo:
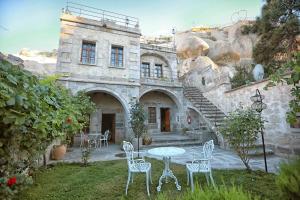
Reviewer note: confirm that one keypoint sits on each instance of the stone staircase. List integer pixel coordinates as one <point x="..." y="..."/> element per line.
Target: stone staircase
<point x="209" y="111"/>
<point x="215" y="117"/>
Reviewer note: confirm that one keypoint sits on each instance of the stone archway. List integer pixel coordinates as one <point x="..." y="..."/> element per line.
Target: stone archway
<point x="167" y="68"/>
<point x="218" y="138"/>
<point x="169" y="93"/>
<point x="162" y="108"/>
<point x="112" y="113"/>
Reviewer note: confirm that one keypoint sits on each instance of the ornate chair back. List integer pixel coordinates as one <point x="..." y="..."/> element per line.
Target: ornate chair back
<point x="106" y="134"/>
<point x="128" y="148"/>
<point x="208" y="148"/>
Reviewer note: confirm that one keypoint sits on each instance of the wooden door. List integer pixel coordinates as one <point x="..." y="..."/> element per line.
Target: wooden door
<point x="108" y="123"/>
<point x="167" y="120"/>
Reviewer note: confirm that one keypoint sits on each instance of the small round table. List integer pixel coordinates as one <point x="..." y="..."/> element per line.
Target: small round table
<point x="166" y="153"/>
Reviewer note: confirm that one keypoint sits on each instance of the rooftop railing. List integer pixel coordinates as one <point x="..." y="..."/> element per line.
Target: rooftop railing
<point x="157" y="48"/>
<point x="101" y="15"/>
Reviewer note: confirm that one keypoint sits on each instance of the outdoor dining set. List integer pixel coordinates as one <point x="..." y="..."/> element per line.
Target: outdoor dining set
<point x="96" y="139"/>
<point x="200" y="164"/>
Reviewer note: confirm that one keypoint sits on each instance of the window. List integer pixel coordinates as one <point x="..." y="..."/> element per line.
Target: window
<point x="152" y="115"/>
<point x="88" y="52"/>
<point x="203" y="81"/>
<point x="117" y="56"/>
<point x="158" y="71"/>
<point x="146" y="69"/>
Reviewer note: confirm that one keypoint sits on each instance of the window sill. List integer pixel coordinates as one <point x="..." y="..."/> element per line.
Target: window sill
<point x="111" y="66"/>
<point x="80" y="63"/>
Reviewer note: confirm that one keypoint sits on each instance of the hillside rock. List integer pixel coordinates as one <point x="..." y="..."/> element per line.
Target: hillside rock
<point x="189" y="46"/>
<point x="200" y="62"/>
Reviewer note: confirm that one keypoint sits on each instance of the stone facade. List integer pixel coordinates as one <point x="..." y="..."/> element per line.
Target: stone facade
<point x="278" y="133"/>
<point x="113" y="88"/>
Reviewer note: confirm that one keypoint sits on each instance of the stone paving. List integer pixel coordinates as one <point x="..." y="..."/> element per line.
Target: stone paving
<point x="223" y="159"/>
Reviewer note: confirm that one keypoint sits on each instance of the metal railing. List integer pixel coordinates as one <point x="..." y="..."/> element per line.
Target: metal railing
<point x="157" y="48"/>
<point x="101" y="15"/>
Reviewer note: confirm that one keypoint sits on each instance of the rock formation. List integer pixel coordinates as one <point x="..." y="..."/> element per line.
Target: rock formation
<point x="211" y="53"/>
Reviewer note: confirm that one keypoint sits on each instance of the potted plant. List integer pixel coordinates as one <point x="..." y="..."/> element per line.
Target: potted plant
<point x="147" y="139"/>
<point x="58" y="151"/>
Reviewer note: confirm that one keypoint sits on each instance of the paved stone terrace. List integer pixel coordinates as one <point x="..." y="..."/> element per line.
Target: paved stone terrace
<point x="223" y="159"/>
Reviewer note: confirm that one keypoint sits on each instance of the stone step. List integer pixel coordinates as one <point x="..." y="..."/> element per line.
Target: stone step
<point x="201" y="102"/>
<point x="215" y="116"/>
<point x="212" y="112"/>
<point x="207" y="108"/>
<point x="259" y="152"/>
<point x="195" y="95"/>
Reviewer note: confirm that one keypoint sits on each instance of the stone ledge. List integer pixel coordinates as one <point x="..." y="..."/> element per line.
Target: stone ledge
<point x="99" y="81"/>
<point x="244" y="86"/>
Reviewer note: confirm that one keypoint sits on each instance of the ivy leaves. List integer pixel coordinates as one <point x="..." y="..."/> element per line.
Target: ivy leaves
<point x="33" y="113"/>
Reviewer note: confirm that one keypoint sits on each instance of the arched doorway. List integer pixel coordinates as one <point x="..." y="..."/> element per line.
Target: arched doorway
<point x="110" y="115"/>
<point x="162" y="111"/>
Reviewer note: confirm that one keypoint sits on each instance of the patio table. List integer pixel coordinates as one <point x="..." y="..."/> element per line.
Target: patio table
<point x="167" y="153"/>
<point x="94" y="137"/>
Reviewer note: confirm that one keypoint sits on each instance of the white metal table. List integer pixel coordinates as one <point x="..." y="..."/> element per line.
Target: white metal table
<point x="94" y="137"/>
<point x="166" y="153"/>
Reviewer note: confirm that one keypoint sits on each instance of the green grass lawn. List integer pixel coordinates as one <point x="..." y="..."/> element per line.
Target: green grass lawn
<point x="106" y="180"/>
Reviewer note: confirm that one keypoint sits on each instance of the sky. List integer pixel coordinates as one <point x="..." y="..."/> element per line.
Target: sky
<point x="35" y="24"/>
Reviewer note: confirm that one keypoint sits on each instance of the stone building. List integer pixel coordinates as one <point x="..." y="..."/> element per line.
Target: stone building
<point x="101" y="53"/>
<point x="104" y="57"/>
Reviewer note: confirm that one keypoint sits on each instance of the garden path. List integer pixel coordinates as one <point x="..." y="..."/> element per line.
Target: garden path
<point x="223" y="159"/>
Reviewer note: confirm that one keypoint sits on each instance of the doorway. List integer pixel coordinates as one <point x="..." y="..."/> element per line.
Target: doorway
<point x="165" y="125"/>
<point x="108" y="123"/>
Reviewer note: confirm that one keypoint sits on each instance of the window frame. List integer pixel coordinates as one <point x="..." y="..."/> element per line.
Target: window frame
<point x="148" y="71"/>
<point x="152" y="115"/>
<point x="88" y="57"/>
<point x="115" y="55"/>
<point x="158" y="75"/>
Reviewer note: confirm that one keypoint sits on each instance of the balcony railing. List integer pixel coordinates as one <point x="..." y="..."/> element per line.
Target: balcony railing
<point x="160" y="82"/>
<point x="157" y="48"/>
<point x="101" y="15"/>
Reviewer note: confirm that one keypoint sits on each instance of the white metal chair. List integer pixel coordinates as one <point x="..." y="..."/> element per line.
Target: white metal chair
<point x="202" y="165"/>
<point x="104" y="138"/>
<point x="136" y="165"/>
<point x="83" y="139"/>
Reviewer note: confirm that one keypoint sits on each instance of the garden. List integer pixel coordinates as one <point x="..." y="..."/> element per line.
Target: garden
<point x="36" y="111"/>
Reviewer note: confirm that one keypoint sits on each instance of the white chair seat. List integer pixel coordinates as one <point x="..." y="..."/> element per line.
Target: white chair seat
<point x="198" y="166"/>
<point x="140" y="167"/>
<point x="201" y="165"/>
<point x="136" y="165"/>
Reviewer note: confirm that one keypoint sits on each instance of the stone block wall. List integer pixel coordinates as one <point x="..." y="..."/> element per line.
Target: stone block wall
<point x="278" y="132"/>
<point x="75" y="30"/>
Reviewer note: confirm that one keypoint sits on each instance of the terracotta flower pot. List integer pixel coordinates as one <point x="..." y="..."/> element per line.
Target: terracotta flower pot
<point x="147" y="140"/>
<point x="58" y="152"/>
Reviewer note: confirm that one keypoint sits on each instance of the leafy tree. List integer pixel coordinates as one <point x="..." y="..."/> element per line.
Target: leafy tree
<point x="277" y="28"/>
<point x="289" y="73"/>
<point x="137" y="120"/>
<point x="241" y="129"/>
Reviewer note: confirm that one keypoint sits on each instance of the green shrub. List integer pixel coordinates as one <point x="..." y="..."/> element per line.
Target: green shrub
<point x="288" y="180"/>
<point x="33" y="113"/>
<point x="241" y="129"/>
<point x="243" y="76"/>
<point x="207" y="193"/>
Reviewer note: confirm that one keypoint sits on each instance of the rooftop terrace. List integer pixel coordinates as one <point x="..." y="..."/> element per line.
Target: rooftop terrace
<point x="101" y="15"/>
